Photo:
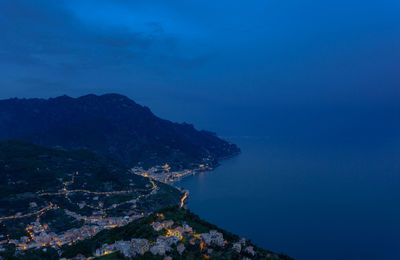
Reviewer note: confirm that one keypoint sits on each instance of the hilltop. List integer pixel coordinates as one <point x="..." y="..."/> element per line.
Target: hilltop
<point x="111" y="125"/>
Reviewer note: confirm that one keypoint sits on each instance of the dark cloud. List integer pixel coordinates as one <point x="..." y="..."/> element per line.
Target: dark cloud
<point x="49" y="36"/>
<point x="52" y="36"/>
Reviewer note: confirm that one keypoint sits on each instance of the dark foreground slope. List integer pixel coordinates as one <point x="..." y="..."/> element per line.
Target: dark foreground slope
<point x="192" y="243"/>
<point x="111" y="125"/>
<point x="60" y="190"/>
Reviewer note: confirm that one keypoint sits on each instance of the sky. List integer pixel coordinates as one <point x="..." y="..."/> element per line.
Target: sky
<point x="218" y="64"/>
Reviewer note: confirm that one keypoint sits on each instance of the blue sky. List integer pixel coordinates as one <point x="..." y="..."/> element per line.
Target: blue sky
<point x="184" y="57"/>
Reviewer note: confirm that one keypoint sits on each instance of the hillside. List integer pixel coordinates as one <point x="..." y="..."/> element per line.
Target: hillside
<point x="52" y="197"/>
<point x="170" y="233"/>
<point x="111" y="125"/>
<point x="56" y="203"/>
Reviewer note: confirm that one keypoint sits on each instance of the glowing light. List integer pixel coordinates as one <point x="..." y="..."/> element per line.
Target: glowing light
<point x="183" y="199"/>
<point x="174" y="233"/>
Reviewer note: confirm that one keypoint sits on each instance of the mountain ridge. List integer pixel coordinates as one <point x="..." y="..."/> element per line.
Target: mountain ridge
<point x="112" y="125"/>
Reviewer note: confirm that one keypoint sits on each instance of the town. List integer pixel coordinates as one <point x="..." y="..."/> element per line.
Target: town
<point x="165" y="175"/>
<point x="39" y="235"/>
<point x="173" y="237"/>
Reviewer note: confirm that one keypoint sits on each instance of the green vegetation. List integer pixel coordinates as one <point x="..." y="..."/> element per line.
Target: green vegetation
<point x="142" y="229"/>
<point x="27" y="169"/>
<point x="58" y="221"/>
<point x="138" y="229"/>
<point x="33" y="178"/>
<point x="47" y="253"/>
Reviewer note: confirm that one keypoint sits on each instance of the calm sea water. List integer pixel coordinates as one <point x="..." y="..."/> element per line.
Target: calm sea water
<point x="325" y="197"/>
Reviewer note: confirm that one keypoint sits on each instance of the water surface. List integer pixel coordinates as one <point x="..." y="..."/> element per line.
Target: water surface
<point x="309" y="197"/>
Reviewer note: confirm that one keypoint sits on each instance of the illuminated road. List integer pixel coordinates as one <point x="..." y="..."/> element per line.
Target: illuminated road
<point x="51" y="206"/>
<point x="63" y="192"/>
<point x="36" y="232"/>
<point x="183" y="199"/>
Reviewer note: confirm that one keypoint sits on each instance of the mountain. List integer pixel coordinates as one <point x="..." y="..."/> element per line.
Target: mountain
<point x="111" y="125"/>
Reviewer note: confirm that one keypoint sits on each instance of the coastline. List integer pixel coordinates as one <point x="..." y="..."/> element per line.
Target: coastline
<point x="163" y="174"/>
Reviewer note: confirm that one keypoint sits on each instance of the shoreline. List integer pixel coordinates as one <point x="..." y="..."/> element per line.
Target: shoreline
<point x="164" y="175"/>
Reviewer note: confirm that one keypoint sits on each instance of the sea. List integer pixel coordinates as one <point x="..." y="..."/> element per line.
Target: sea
<point x="320" y="189"/>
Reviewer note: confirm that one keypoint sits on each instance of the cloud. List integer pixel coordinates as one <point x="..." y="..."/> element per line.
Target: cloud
<point x="50" y="35"/>
<point x="263" y="51"/>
